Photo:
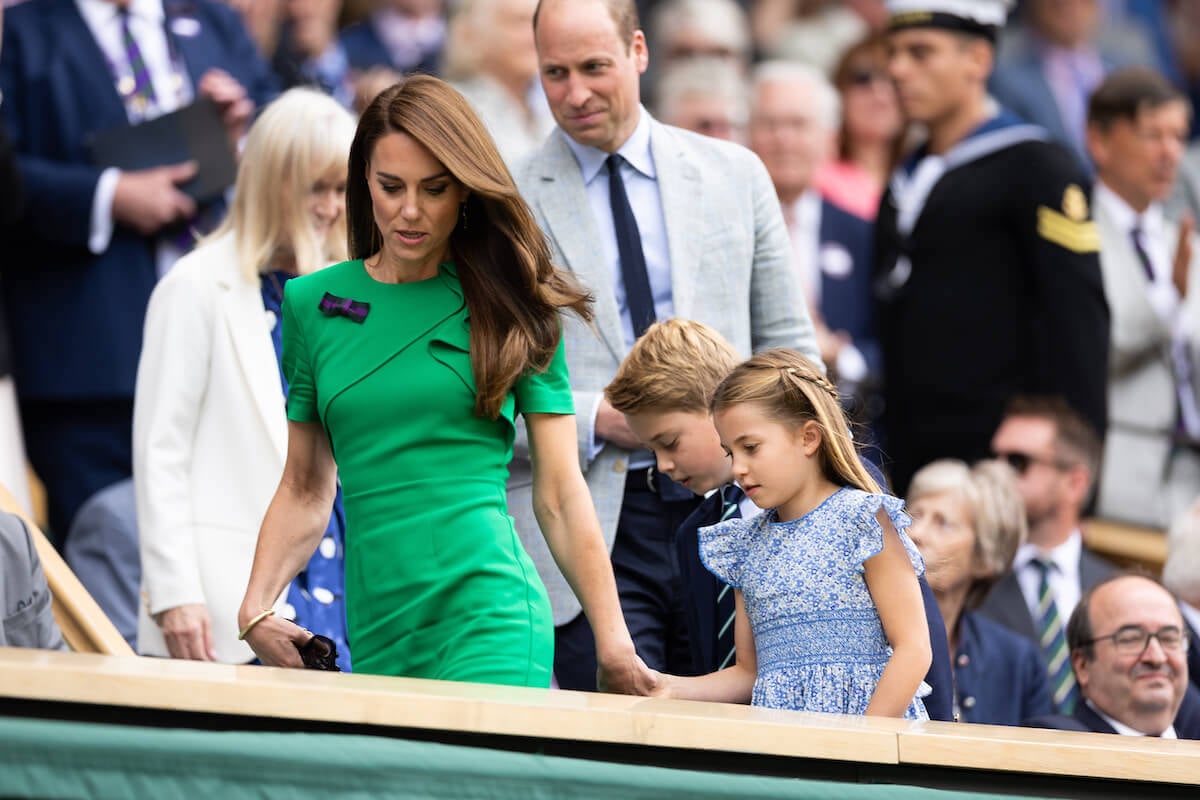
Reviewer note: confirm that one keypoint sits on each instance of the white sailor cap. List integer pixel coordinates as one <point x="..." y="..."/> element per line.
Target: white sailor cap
<point x="980" y="17"/>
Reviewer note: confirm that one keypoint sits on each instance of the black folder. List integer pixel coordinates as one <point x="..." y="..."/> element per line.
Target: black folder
<point x="192" y="133"/>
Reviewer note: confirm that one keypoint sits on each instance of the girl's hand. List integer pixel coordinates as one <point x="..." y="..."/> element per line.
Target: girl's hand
<point x="664" y="685"/>
<point x="276" y="641"/>
<point x="626" y="674"/>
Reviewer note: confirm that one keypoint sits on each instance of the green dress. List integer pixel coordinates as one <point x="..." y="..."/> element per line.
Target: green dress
<point x="437" y="582"/>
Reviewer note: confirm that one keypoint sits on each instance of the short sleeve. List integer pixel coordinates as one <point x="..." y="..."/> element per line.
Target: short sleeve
<point x="297" y="367"/>
<point x="549" y="391"/>
<point x="723" y="549"/>
<point x="870" y="542"/>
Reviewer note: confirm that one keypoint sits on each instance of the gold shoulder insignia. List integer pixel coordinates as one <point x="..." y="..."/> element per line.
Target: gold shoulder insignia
<point x="1074" y="203"/>
<point x="1078" y="236"/>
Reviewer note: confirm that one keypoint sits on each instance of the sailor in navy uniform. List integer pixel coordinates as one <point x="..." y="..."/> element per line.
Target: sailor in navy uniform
<point x="987" y="275"/>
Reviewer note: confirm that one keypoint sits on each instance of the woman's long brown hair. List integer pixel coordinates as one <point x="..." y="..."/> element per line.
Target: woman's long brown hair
<point x="513" y="291"/>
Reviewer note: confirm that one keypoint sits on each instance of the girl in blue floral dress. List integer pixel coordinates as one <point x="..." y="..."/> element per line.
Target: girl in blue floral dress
<point x="829" y="611"/>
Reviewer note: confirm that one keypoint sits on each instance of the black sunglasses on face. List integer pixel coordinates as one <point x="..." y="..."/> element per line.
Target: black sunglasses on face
<point x="865" y="77"/>
<point x="1021" y="462"/>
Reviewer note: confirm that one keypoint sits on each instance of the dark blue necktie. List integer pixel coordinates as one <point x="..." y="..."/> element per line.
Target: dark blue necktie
<point x="1139" y="247"/>
<point x="638" y="297"/>
<point x="731" y="497"/>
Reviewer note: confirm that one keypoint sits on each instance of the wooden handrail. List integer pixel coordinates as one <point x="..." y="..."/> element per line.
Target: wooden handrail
<point x="1125" y="544"/>
<point x="306" y="700"/>
<point x="84" y="625"/>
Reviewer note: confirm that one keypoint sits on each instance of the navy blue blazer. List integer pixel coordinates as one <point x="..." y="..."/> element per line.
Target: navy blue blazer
<point x="700" y="589"/>
<point x="75" y="317"/>
<point x="1193" y="659"/>
<point x="1000" y="678"/>
<point x="364" y="50"/>
<point x="846" y="262"/>
<point x="1187" y="721"/>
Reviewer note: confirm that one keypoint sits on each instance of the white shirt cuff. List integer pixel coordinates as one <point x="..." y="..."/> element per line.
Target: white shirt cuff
<point x="596" y="445"/>
<point x="101" y="231"/>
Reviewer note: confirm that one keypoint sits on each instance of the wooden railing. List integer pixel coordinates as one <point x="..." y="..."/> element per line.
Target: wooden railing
<point x="705" y="736"/>
<point x="1126" y="545"/>
<point x="84" y="625"/>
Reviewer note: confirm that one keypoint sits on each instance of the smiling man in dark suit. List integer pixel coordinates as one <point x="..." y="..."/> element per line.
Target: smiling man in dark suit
<point x="1128" y="646"/>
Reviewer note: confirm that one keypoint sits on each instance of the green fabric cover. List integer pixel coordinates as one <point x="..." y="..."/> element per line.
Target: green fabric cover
<point x="50" y="758"/>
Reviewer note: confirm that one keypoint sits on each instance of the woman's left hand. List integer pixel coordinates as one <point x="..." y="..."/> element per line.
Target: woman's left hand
<point x="626" y="674"/>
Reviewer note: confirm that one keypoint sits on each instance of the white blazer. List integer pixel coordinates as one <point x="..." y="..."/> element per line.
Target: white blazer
<point x="209" y="441"/>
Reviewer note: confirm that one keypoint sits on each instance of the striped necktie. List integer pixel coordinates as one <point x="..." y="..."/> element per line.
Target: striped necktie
<point x="1053" y="640"/>
<point x="731" y="497"/>
<point x="137" y="90"/>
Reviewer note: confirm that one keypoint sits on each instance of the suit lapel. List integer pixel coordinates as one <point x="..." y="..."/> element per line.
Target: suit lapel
<point x="91" y="74"/>
<point x="241" y="309"/>
<point x="682" y="201"/>
<point x="196" y="50"/>
<point x="1007" y="606"/>
<point x="1092" y="720"/>
<point x="1124" y="281"/>
<point x="563" y="204"/>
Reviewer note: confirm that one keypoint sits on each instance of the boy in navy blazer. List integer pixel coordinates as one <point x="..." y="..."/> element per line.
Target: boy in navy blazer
<point x="663" y="388"/>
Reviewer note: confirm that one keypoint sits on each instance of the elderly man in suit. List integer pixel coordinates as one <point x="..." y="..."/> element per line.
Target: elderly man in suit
<point x="1138" y="125"/>
<point x="93" y="241"/>
<point x="1055" y="454"/>
<point x="657" y="222"/>
<point x="1128" y="647"/>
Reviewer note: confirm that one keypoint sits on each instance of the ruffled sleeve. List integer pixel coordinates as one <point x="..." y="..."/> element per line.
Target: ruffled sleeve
<point x="723" y="549"/>
<point x="870" y="541"/>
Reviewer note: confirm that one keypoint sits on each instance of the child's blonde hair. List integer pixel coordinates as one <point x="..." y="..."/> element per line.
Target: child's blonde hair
<point x="676" y="365"/>
<point x="792" y="390"/>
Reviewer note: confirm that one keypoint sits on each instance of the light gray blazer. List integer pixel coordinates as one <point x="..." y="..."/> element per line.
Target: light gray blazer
<point x="731" y="268"/>
<point x="1138" y="465"/>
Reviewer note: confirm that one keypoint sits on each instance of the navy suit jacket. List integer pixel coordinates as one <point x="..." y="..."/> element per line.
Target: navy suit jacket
<point x="700" y="589"/>
<point x="1187" y="721"/>
<point x="846" y="300"/>
<point x="364" y="50"/>
<point x="1193" y="658"/>
<point x="1000" y="677"/>
<point x="75" y="317"/>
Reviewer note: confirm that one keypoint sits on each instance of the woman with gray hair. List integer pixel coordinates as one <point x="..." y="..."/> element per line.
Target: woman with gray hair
<point x="968" y="523"/>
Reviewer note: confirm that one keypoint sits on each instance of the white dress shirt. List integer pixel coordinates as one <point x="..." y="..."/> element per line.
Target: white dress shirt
<point x="1064" y="579"/>
<point x="1125" y="730"/>
<point x="641" y="187"/>
<point x="172" y="87"/>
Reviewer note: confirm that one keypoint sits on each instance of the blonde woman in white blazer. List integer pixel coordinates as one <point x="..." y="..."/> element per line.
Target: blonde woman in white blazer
<point x="210" y="431"/>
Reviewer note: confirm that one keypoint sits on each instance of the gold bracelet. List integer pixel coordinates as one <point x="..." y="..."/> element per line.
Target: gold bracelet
<point x="270" y="612"/>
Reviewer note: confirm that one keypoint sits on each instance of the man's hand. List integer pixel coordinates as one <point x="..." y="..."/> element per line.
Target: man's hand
<point x="187" y="630"/>
<point x="1183" y="254"/>
<point x="611" y="426"/>
<point x="235" y="105"/>
<point x="148" y="200"/>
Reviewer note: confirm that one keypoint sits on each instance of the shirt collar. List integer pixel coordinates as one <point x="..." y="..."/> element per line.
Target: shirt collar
<point x="1126" y="219"/>
<point x="636" y="151"/>
<point x="101" y="12"/>
<point x="1125" y="730"/>
<point x="1064" y="556"/>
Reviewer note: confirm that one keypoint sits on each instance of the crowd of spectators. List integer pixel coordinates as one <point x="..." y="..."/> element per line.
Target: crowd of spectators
<point x="1042" y="311"/>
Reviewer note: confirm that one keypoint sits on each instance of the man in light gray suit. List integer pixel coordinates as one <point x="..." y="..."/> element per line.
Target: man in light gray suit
<point x="1137" y="130"/>
<point x="706" y="242"/>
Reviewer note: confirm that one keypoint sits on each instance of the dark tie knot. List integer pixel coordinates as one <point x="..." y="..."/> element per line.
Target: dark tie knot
<point x="732" y="494"/>
<point x="1044" y="565"/>
<point x="613" y="164"/>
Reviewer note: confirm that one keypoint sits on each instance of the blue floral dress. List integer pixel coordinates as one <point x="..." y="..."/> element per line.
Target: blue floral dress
<point x="819" y="640"/>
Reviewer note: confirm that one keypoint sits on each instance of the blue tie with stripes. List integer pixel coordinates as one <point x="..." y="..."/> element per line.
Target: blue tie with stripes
<point x="1053" y="640"/>
<point x="731" y="496"/>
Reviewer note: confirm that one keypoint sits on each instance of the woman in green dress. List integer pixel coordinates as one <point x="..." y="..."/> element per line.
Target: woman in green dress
<point x="408" y="367"/>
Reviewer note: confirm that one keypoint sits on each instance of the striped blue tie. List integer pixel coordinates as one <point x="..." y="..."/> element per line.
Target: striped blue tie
<point x="1053" y="640"/>
<point x="731" y="497"/>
